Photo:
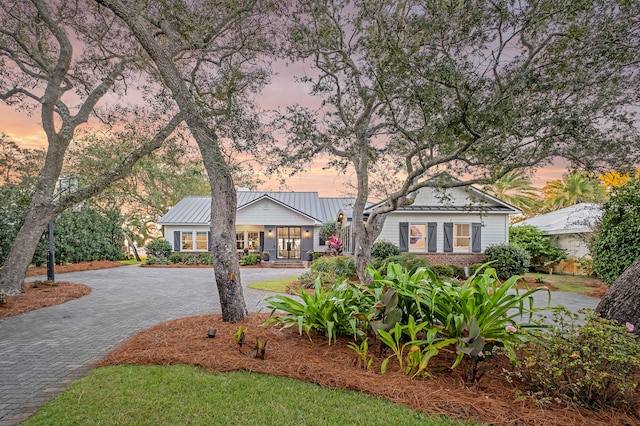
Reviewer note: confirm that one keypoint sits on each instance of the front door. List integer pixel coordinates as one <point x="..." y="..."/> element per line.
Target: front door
<point x="289" y="238"/>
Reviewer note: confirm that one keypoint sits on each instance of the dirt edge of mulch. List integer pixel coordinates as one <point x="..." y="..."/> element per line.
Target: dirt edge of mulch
<point x="492" y="400"/>
<point x="42" y="296"/>
<point x="74" y="267"/>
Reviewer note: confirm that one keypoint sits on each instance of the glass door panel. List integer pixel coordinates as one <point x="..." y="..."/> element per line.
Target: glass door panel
<point x="289" y="239"/>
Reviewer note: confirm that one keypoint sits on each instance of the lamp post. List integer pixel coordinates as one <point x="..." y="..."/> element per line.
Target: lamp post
<point x="51" y="276"/>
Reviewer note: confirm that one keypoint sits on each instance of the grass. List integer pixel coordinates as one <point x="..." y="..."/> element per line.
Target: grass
<point x="180" y="394"/>
<point x="566" y="283"/>
<point x="278" y="286"/>
<point x="132" y="261"/>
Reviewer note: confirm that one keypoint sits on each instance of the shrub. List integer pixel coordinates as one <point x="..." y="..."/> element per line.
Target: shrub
<point x="175" y="258"/>
<point x="408" y="261"/>
<point x="205" y="259"/>
<point x="328" y="229"/>
<point x="329" y="269"/>
<point x="458" y="271"/>
<point x="334" y="246"/>
<point x="476" y="267"/>
<point x="158" y="248"/>
<point x="191" y="259"/>
<point x="250" y="259"/>
<point x="152" y="260"/>
<point x="537" y="245"/>
<point x="384" y="249"/>
<point x="442" y="271"/>
<point x="616" y="241"/>
<point x="508" y="260"/>
<point x="594" y="365"/>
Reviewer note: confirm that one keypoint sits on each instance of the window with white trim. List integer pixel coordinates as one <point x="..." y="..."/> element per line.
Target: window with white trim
<point x="240" y="240"/>
<point x="461" y="237"/>
<point x="417" y="237"/>
<point x="194" y="241"/>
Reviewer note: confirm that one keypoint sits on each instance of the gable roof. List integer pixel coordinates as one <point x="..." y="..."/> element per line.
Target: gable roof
<point x="197" y="210"/>
<point x="579" y="218"/>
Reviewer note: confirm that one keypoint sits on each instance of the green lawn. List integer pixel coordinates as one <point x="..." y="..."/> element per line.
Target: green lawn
<point x="179" y="394"/>
<point x="132" y="261"/>
<point x="278" y="286"/>
<point x="567" y="283"/>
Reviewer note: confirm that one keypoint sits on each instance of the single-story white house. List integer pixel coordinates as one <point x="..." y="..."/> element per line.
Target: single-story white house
<point x="452" y="226"/>
<point x="569" y="228"/>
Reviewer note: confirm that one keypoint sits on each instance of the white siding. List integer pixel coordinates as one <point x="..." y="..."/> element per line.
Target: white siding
<point x="269" y="213"/>
<point x="494" y="229"/>
<point x="169" y="229"/>
<point x="451" y="197"/>
<point x="574" y="244"/>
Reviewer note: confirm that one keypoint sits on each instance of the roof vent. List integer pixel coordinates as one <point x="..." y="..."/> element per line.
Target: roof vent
<point x="243" y="189"/>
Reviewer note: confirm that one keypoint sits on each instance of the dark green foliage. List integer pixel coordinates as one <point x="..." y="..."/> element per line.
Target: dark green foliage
<point x="156" y="261"/>
<point x="250" y="259"/>
<point x="89" y="234"/>
<point x="594" y="365"/>
<point x="537" y="245"/>
<point x="205" y="259"/>
<point x="175" y="258"/>
<point x="158" y="248"/>
<point x="442" y="271"/>
<point x="408" y="261"/>
<point x="458" y="271"/>
<point x="616" y="241"/>
<point x="328" y="229"/>
<point x="191" y="259"/>
<point x="475" y="268"/>
<point x="508" y="260"/>
<point x="384" y="249"/>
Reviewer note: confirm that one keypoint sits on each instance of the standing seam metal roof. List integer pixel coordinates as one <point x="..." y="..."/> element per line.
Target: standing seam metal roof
<point x="197" y="210"/>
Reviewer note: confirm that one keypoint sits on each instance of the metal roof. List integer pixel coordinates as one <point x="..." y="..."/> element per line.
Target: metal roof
<point x="197" y="210"/>
<point x="579" y="218"/>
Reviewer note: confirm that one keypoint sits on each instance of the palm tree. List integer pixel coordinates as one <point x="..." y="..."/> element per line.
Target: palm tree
<point x="573" y="189"/>
<point x="515" y="188"/>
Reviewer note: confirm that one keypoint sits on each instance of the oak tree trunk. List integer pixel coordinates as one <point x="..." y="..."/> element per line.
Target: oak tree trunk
<point x="622" y="301"/>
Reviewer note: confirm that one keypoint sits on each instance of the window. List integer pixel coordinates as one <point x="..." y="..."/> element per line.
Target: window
<point x="187" y="241"/>
<point x="253" y="239"/>
<point x="461" y="237"/>
<point x="417" y="237"/>
<point x="194" y="241"/>
<point x="240" y="240"/>
<point x="201" y="241"/>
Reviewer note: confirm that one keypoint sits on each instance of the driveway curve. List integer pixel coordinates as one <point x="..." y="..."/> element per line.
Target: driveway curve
<point x="43" y="351"/>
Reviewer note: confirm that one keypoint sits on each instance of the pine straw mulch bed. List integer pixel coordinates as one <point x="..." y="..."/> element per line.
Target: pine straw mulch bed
<point x="493" y="400"/>
<point x="74" y="267"/>
<point x="42" y="296"/>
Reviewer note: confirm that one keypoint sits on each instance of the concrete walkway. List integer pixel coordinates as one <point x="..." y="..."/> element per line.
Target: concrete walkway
<point x="43" y="351"/>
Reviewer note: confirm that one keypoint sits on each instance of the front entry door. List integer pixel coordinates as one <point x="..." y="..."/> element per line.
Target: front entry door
<point x="289" y="238"/>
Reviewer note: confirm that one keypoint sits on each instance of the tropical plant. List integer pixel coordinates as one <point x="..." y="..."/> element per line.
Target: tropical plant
<point x="362" y="351"/>
<point x="329" y="312"/>
<point x="408" y="261"/>
<point x="515" y="188"/>
<point x="334" y="246"/>
<point x="572" y="189"/>
<point x="329" y="269"/>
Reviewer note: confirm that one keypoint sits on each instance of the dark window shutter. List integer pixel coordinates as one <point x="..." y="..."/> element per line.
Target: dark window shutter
<point x="476" y="241"/>
<point x="404" y="236"/>
<point x="177" y="245"/>
<point x="261" y="241"/>
<point x="432" y="233"/>
<point x="209" y="245"/>
<point x="448" y="237"/>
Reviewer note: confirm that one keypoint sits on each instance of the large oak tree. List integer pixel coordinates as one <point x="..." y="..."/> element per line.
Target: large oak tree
<point x="61" y="59"/>
<point x="476" y="88"/>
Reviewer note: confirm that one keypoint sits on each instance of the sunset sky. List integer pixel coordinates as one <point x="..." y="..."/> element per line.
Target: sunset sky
<point x="27" y="131"/>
